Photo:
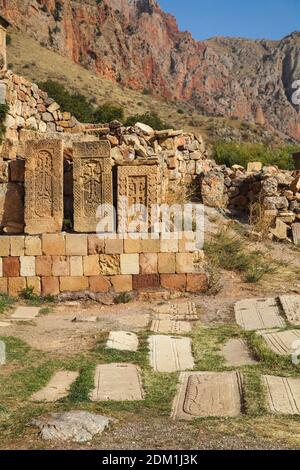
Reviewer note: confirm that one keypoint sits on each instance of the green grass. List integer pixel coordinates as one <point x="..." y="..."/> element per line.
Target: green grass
<point x="6" y="302"/>
<point x="33" y="299"/>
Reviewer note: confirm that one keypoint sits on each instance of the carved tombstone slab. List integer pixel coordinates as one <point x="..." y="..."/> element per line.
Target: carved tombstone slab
<point x="291" y="307"/>
<point x="283" y="343"/>
<point x="283" y="394"/>
<point x="137" y="186"/>
<point x="258" y="314"/>
<point x="92" y="183"/>
<point x="44" y="186"/>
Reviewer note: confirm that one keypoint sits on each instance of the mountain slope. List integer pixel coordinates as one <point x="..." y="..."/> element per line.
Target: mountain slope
<point x="136" y="44"/>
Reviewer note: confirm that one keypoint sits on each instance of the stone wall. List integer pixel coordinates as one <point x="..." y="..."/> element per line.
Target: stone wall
<point x="58" y="263"/>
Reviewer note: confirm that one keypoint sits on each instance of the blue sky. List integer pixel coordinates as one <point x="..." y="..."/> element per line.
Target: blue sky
<point x="269" y="19"/>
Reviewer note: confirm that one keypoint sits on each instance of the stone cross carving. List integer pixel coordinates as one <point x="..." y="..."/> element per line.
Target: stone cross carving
<point x="92" y="183"/>
<point x="3" y="27"/>
<point x="43" y="186"/>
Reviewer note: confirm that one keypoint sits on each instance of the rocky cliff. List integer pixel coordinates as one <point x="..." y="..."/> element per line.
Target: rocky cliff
<point x="133" y="42"/>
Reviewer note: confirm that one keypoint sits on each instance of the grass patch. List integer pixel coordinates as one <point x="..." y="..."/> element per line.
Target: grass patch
<point x="32" y="298"/>
<point x="123" y="298"/>
<point x="6" y="302"/>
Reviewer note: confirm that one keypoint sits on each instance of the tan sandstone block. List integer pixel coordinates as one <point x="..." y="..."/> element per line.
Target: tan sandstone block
<point x="185" y="263"/>
<point x="169" y="246"/>
<point x="114" y="247"/>
<point x="3" y="285"/>
<point x="197" y="283"/>
<point x="150" y="246"/>
<point x="166" y="263"/>
<point x="76" y="266"/>
<point x="60" y="266"/>
<point x="91" y="265"/>
<point x="1" y="267"/>
<point x="96" y="245"/>
<point x="27" y="266"/>
<point x="43" y="265"/>
<point x="74" y="284"/>
<point x="16" y="285"/>
<point x="50" y="285"/>
<point x="4" y="246"/>
<point x="109" y="264"/>
<point x="17" y="246"/>
<point x="53" y="244"/>
<point x="132" y="245"/>
<point x="187" y="242"/>
<point x="148" y="263"/>
<point x="33" y="246"/>
<point x="99" y="284"/>
<point x="35" y="283"/>
<point x="130" y="263"/>
<point x="122" y="283"/>
<point x="175" y="282"/>
<point x="76" y="245"/>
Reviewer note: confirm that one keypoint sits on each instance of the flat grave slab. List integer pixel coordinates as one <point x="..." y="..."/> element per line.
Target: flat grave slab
<point x="258" y="314"/>
<point x="281" y="342"/>
<point x="25" y="313"/>
<point x="177" y="311"/>
<point x="123" y="341"/>
<point x="283" y="394"/>
<point x="171" y="354"/>
<point x="291" y="308"/>
<point x="4" y="324"/>
<point x="172" y="327"/>
<point x="57" y="388"/>
<point x="117" y="382"/>
<point x="2" y="353"/>
<point x="236" y="353"/>
<point x="205" y="394"/>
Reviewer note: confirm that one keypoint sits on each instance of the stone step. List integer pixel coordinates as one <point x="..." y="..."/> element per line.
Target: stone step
<point x="117" y="382"/>
<point x="25" y="313"/>
<point x="281" y="342"/>
<point x="208" y="394"/>
<point x="168" y="326"/>
<point x="283" y="394"/>
<point x="258" y="314"/>
<point x="236" y="353"/>
<point x="177" y="311"/>
<point x="291" y="307"/>
<point x="57" y="388"/>
<point x="122" y="341"/>
<point x="171" y="354"/>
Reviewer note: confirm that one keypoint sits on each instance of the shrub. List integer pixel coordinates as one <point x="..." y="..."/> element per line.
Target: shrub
<point x="231" y="153"/>
<point x="151" y="119"/>
<point x="107" y="113"/>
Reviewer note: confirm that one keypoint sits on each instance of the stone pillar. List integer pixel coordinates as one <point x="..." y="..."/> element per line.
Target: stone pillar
<point x="43" y="186"/>
<point x="92" y="177"/>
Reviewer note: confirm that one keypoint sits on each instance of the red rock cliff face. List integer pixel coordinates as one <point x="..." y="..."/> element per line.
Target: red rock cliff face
<point x="135" y="43"/>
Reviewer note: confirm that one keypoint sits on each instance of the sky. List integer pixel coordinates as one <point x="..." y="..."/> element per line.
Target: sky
<point x="255" y="19"/>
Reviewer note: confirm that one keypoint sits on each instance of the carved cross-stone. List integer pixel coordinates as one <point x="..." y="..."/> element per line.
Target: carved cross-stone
<point x="43" y="186"/>
<point x="137" y="185"/>
<point x="92" y="183"/>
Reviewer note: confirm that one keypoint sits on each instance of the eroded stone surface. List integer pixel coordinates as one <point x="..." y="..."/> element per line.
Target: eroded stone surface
<point x="281" y="342"/>
<point x="172" y="327"/>
<point x="204" y="394"/>
<point x="291" y="307"/>
<point x="258" y="314"/>
<point x="236" y="353"/>
<point x="57" y="388"/>
<point x="123" y="341"/>
<point x="2" y="353"/>
<point x="76" y="426"/>
<point x="25" y="313"/>
<point x="177" y="311"/>
<point x="117" y="382"/>
<point x="4" y="324"/>
<point x="283" y="394"/>
<point x="170" y="354"/>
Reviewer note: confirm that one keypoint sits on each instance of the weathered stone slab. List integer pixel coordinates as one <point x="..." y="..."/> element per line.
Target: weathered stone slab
<point x="296" y="234"/>
<point x="281" y="342"/>
<point x="283" y="394"/>
<point x="75" y="426"/>
<point x="4" y="324"/>
<point x="236" y="353"/>
<point x="92" y="183"/>
<point x="204" y="394"/>
<point x="137" y="185"/>
<point x="44" y="186"/>
<point x="25" y="313"/>
<point x="291" y="307"/>
<point x="172" y="327"/>
<point x="117" y="382"/>
<point x="2" y="353"/>
<point x="177" y="311"/>
<point x="57" y="388"/>
<point x="123" y="341"/>
<point x="258" y="314"/>
<point x="169" y="354"/>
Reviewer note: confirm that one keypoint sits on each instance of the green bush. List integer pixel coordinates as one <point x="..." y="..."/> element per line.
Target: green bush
<point x="235" y="153"/>
<point x="151" y="119"/>
<point x="107" y="113"/>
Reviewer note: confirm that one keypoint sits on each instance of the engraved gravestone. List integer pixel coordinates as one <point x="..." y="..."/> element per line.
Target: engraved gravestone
<point x="43" y="186"/>
<point x="92" y="183"/>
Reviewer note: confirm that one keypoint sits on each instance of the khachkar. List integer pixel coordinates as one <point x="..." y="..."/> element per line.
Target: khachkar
<point x="44" y="186"/>
<point x="92" y="183"/>
<point x="138" y="192"/>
